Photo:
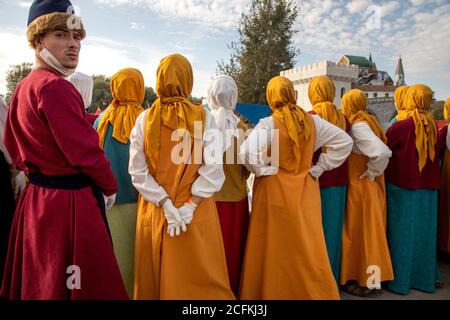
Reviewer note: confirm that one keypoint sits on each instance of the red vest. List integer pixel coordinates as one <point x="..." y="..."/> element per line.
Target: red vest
<point x="403" y="169"/>
<point x="335" y="177"/>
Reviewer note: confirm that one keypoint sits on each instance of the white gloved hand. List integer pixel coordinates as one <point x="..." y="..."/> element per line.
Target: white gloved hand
<point x="187" y="212"/>
<point x="368" y="175"/>
<point x="174" y="220"/>
<point x="316" y="171"/>
<point x="19" y="183"/>
<point x="266" y="171"/>
<point x="109" y="201"/>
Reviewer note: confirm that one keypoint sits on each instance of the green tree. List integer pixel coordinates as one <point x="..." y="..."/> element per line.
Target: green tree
<point x="101" y="97"/>
<point x="437" y="110"/>
<point x="265" y="47"/>
<point x="150" y="97"/>
<point x="14" y="75"/>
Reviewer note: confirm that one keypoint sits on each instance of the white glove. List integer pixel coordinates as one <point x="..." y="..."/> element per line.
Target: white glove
<point x="19" y="183"/>
<point x="266" y="171"/>
<point x="109" y="201"/>
<point x="316" y="171"/>
<point x="187" y="212"/>
<point x="174" y="220"/>
<point x="368" y="175"/>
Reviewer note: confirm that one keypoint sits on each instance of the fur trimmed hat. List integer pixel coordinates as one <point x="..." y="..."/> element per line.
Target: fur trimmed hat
<point x="50" y="15"/>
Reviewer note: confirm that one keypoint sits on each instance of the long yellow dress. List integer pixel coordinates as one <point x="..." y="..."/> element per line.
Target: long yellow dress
<point x="191" y="266"/>
<point x="286" y="255"/>
<point x="444" y="210"/>
<point x="364" y="242"/>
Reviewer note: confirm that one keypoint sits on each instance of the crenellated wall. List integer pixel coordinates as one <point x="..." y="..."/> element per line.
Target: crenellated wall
<point x="342" y="75"/>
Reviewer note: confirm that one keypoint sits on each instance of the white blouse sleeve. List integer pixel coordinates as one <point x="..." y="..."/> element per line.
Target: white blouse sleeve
<point x="448" y="138"/>
<point x="211" y="173"/>
<point x="337" y="142"/>
<point x="371" y="146"/>
<point x="254" y="149"/>
<point x="141" y="178"/>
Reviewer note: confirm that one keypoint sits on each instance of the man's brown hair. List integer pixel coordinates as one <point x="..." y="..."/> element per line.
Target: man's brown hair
<point x="51" y="22"/>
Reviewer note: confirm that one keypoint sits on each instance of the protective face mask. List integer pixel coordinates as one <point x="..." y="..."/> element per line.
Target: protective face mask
<point x="51" y="61"/>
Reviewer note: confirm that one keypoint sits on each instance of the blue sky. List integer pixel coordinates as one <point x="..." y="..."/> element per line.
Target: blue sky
<point x="138" y="33"/>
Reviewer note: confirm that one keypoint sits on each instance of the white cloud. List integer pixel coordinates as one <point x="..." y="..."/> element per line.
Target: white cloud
<point x="218" y="13"/>
<point x="419" y="34"/>
<point x="355" y="6"/>
<point x="137" y="26"/>
<point x="18" y="52"/>
<point x="418" y="2"/>
<point x="389" y="8"/>
<point x="24" y="4"/>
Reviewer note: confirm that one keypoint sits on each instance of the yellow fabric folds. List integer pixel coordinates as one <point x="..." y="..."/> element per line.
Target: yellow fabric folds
<point x="354" y="107"/>
<point x="447" y="110"/>
<point x="399" y="96"/>
<point x="281" y="97"/>
<point x="128" y="92"/>
<point x="174" y="82"/>
<point x="321" y="93"/>
<point x="418" y="102"/>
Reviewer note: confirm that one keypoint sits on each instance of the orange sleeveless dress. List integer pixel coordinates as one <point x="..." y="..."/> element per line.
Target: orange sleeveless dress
<point x="286" y="255"/>
<point x="364" y="241"/>
<point x="191" y="266"/>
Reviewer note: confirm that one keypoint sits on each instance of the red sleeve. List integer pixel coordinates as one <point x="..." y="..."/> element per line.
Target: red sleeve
<point x="91" y="118"/>
<point x="442" y="141"/>
<point x="394" y="136"/>
<point x="63" y="108"/>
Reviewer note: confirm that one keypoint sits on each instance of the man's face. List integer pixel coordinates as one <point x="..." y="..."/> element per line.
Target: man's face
<point x="65" y="45"/>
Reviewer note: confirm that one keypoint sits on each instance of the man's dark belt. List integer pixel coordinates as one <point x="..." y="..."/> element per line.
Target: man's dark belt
<point x="71" y="182"/>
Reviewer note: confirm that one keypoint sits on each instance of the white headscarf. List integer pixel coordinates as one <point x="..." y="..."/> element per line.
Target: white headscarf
<point x="222" y="99"/>
<point x="3" y="117"/>
<point x="85" y="85"/>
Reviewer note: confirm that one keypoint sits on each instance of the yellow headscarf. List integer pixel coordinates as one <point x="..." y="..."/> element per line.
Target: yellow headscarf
<point x="354" y="107"/>
<point x="128" y="92"/>
<point x="174" y="82"/>
<point x="281" y="97"/>
<point x="321" y="93"/>
<point x="418" y="102"/>
<point x="399" y="96"/>
<point x="447" y="111"/>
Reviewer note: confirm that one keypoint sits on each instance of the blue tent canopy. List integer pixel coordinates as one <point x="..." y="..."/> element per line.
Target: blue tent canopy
<point x="252" y="112"/>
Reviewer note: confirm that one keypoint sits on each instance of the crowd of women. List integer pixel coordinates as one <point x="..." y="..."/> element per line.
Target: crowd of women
<point x="133" y="201"/>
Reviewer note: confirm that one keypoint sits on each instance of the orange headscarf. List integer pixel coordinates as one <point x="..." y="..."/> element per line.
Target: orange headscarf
<point x="399" y="97"/>
<point x="128" y="92"/>
<point x="447" y="111"/>
<point x="174" y="82"/>
<point x="321" y="93"/>
<point x="281" y="97"/>
<point x="418" y="102"/>
<point x="354" y="107"/>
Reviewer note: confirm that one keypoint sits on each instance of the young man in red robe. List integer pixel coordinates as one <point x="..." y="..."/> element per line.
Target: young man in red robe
<point x="59" y="246"/>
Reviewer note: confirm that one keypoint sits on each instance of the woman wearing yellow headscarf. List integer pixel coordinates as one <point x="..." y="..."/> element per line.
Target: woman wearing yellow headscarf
<point x="286" y="255"/>
<point x="400" y="106"/>
<point x="114" y="129"/>
<point x="413" y="179"/>
<point x="444" y="212"/>
<point x="333" y="184"/>
<point x="179" y="248"/>
<point x="364" y="244"/>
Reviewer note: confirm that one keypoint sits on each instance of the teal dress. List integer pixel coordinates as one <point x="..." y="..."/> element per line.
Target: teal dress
<point x="123" y="215"/>
<point x="333" y="201"/>
<point x="412" y="234"/>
